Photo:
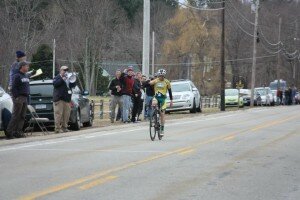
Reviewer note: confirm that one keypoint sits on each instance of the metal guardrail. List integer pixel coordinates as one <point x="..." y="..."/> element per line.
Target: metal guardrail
<point x="101" y="108"/>
<point x="207" y="102"/>
<point x="210" y="102"/>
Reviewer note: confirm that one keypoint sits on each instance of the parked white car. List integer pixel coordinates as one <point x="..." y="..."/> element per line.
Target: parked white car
<point x="185" y="97"/>
<point x="6" y="106"/>
<point x="266" y="95"/>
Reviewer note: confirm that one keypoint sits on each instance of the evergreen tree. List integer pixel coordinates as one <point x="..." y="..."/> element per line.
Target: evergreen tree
<point x="42" y="59"/>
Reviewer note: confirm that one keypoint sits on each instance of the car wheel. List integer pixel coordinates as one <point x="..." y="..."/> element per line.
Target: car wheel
<point x="199" y="108"/>
<point x="193" y="110"/>
<point x="76" y="126"/>
<point x="90" y="122"/>
<point x="6" y="116"/>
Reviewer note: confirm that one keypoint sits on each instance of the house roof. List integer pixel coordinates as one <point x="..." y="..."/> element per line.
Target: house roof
<point x="109" y="68"/>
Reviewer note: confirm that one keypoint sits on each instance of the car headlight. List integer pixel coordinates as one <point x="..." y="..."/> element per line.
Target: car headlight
<point x="186" y="96"/>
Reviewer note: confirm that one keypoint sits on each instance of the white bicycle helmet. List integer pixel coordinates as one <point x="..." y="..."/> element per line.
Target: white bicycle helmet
<point x="161" y="72"/>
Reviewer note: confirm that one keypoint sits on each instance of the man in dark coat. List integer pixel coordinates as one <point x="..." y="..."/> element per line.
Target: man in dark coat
<point x="116" y="95"/>
<point x="20" y="91"/>
<point x="62" y="94"/>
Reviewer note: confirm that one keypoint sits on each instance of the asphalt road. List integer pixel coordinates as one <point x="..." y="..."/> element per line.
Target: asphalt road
<point x="251" y="154"/>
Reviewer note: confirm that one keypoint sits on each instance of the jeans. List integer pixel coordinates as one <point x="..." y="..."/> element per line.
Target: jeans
<point x="148" y="106"/>
<point x="126" y="107"/>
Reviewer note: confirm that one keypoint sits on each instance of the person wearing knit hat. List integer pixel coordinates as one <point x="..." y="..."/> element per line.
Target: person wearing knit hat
<point x="20" y="92"/>
<point x="20" y="54"/>
<point x="14" y="69"/>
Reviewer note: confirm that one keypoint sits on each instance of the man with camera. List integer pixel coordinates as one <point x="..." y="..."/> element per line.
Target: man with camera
<point x="62" y="94"/>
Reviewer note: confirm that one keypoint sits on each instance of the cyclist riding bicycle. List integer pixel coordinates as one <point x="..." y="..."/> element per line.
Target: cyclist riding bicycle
<point x="161" y="87"/>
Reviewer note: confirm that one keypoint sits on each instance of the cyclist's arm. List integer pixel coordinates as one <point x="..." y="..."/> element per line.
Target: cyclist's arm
<point x="153" y="82"/>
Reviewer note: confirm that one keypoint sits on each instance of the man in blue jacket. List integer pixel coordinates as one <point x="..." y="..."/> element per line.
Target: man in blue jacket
<point x="20" y="91"/>
<point x="62" y="94"/>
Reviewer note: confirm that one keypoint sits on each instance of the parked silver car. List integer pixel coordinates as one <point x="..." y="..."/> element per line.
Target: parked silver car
<point x="266" y="96"/>
<point x="185" y="97"/>
<point x="6" y="106"/>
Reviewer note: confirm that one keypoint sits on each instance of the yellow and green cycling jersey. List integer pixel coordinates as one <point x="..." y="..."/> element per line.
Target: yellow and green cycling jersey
<point x="161" y="88"/>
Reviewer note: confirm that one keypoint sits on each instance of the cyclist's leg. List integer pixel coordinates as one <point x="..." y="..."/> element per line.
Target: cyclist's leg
<point x="163" y="106"/>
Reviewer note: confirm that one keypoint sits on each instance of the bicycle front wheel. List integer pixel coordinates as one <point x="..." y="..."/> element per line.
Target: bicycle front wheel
<point x="153" y="124"/>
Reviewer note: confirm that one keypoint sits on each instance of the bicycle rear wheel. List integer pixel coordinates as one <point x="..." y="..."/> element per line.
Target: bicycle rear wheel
<point x="153" y="124"/>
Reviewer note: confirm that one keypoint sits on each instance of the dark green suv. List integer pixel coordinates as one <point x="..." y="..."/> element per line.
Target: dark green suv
<point x="41" y="98"/>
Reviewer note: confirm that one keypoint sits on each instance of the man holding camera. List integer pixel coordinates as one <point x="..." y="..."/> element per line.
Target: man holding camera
<point x="62" y="94"/>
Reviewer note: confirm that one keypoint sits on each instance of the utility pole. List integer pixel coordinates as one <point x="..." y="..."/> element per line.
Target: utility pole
<point x="278" y="55"/>
<point x="86" y="65"/>
<point x="146" y="38"/>
<point x="254" y="54"/>
<point x="296" y="44"/>
<point x="222" y="106"/>
<point x="153" y="52"/>
<point x="53" y="61"/>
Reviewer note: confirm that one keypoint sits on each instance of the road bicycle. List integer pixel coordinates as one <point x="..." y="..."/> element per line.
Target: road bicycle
<point x="155" y="123"/>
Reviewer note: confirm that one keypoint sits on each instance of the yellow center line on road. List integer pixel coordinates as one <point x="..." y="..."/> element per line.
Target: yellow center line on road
<point x="188" y="151"/>
<point x="98" y="175"/>
<point x="97" y="182"/>
<point x="273" y="123"/>
<point x="231" y="137"/>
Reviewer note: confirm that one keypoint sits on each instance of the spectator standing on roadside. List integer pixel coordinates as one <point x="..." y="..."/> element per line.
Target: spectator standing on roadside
<point x="20" y="90"/>
<point x="62" y="94"/>
<point x="137" y="94"/>
<point x="14" y="69"/>
<point x="116" y="95"/>
<point x="149" y="94"/>
<point x="287" y="96"/>
<point x="293" y="94"/>
<point x="290" y="102"/>
<point x="280" y="96"/>
<point x="127" y="82"/>
<point x="278" y="100"/>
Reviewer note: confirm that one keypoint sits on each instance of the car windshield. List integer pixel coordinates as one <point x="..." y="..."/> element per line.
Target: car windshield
<point x="231" y="92"/>
<point x="245" y="92"/>
<point x="41" y="90"/>
<point x="261" y="91"/>
<point x="183" y="87"/>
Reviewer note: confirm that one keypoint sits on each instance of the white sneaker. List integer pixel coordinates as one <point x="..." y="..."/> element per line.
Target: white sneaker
<point x="161" y="133"/>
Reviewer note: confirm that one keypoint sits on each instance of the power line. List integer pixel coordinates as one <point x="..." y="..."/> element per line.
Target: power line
<point x="170" y="64"/>
<point x="213" y="2"/>
<point x="269" y="51"/>
<point x="41" y="61"/>
<point x="291" y="58"/>
<point x="272" y="44"/>
<point x="239" y="12"/>
<point x="249" y="34"/>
